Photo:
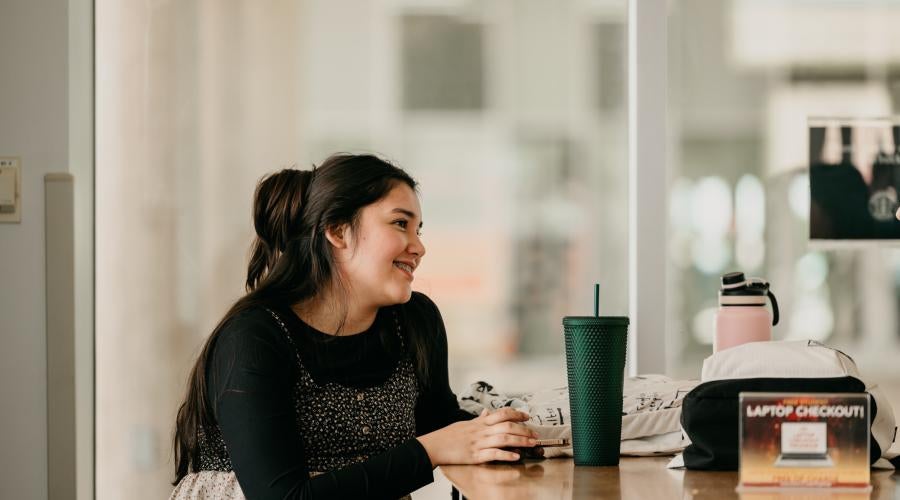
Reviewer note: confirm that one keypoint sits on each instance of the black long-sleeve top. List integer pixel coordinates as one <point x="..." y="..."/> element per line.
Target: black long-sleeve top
<point x="250" y="378"/>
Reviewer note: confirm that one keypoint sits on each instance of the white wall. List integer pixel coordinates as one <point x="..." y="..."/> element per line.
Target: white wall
<point x="34" y="127"/>
<point x="46" y="119"/>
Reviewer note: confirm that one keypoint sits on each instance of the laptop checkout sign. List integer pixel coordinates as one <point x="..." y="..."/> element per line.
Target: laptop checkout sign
<point x="804" y="440"/>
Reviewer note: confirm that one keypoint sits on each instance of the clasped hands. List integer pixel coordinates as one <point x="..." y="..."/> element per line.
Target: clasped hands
<point x="492" y="436"/>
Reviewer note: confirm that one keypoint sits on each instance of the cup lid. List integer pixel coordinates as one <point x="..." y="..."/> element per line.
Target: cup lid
<point x="595" y="320"/>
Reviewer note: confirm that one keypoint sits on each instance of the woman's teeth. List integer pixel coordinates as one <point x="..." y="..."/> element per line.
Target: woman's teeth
<point x="403" y="266"/>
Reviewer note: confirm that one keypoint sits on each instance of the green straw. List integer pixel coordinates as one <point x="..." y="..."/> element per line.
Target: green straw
<point x="596" y="300"/>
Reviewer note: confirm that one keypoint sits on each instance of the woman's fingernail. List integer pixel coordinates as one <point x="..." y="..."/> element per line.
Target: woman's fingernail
<point x="532" y="442"/>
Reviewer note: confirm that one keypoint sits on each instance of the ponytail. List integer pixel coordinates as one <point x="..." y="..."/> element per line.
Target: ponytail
<point x="277" y="217"/>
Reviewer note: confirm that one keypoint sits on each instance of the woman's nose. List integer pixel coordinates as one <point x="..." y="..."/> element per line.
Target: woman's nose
<point x="416" y="247"/>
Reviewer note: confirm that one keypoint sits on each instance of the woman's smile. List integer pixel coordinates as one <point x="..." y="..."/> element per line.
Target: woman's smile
<point x="404" y="268"/>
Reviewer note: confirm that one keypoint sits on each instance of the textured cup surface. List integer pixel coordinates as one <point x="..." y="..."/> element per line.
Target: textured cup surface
<point x="595" y="362"/>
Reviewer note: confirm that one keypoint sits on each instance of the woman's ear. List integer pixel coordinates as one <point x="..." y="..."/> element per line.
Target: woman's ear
<point x="338" y="236"/>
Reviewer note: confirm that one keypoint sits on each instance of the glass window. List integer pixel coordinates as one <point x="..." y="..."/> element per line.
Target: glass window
<point x="509" y="113"/>
<point x="745" y="76"/>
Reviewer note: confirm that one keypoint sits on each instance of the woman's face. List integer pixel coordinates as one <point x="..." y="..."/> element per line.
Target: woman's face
<point x="381" y="257"/>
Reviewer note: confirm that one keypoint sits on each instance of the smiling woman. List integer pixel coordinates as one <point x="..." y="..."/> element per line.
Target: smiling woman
<point x="328" y="379"/>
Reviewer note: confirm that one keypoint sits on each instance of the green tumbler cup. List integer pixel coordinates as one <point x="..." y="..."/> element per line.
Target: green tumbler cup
<point x="595" y="362"/>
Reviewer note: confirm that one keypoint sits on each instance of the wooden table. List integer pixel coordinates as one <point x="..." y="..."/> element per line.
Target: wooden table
<point x="634" y="478"/>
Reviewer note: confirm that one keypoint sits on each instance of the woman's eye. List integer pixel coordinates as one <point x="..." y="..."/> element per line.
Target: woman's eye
<point x="403" y="224"/>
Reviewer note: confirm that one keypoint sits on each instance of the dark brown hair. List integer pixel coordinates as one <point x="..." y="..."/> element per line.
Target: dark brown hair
<point x="291" y="261"/>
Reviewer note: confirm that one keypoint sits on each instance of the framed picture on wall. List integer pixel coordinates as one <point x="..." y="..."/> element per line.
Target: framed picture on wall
<point x="854" y="179"/>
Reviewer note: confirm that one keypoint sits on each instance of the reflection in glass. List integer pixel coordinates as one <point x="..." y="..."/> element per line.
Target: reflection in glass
<point x="443" y="62"/>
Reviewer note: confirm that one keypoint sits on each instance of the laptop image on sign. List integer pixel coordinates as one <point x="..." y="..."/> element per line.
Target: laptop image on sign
<point x="804" y="444"/>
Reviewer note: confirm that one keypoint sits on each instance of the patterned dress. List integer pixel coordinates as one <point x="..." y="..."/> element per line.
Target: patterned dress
<point x="340" y="426"/>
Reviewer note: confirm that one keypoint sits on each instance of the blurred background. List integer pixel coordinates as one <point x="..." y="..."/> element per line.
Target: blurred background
<point x="512" y="115"/>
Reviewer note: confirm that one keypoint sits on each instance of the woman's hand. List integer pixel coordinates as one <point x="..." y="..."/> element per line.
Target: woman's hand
<point x="479" y="440"/>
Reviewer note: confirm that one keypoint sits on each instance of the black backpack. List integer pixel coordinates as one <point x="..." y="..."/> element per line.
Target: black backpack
<point x="710" y="415"/>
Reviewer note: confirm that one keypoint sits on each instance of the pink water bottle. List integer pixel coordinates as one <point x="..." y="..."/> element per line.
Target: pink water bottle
<point x="742" y="315"/>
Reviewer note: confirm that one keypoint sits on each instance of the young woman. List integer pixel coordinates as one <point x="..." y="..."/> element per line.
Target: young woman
<point x="328" y="379"/>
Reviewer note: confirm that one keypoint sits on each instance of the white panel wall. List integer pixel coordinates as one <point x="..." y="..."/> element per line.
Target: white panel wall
<point x="34" y="127"/>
